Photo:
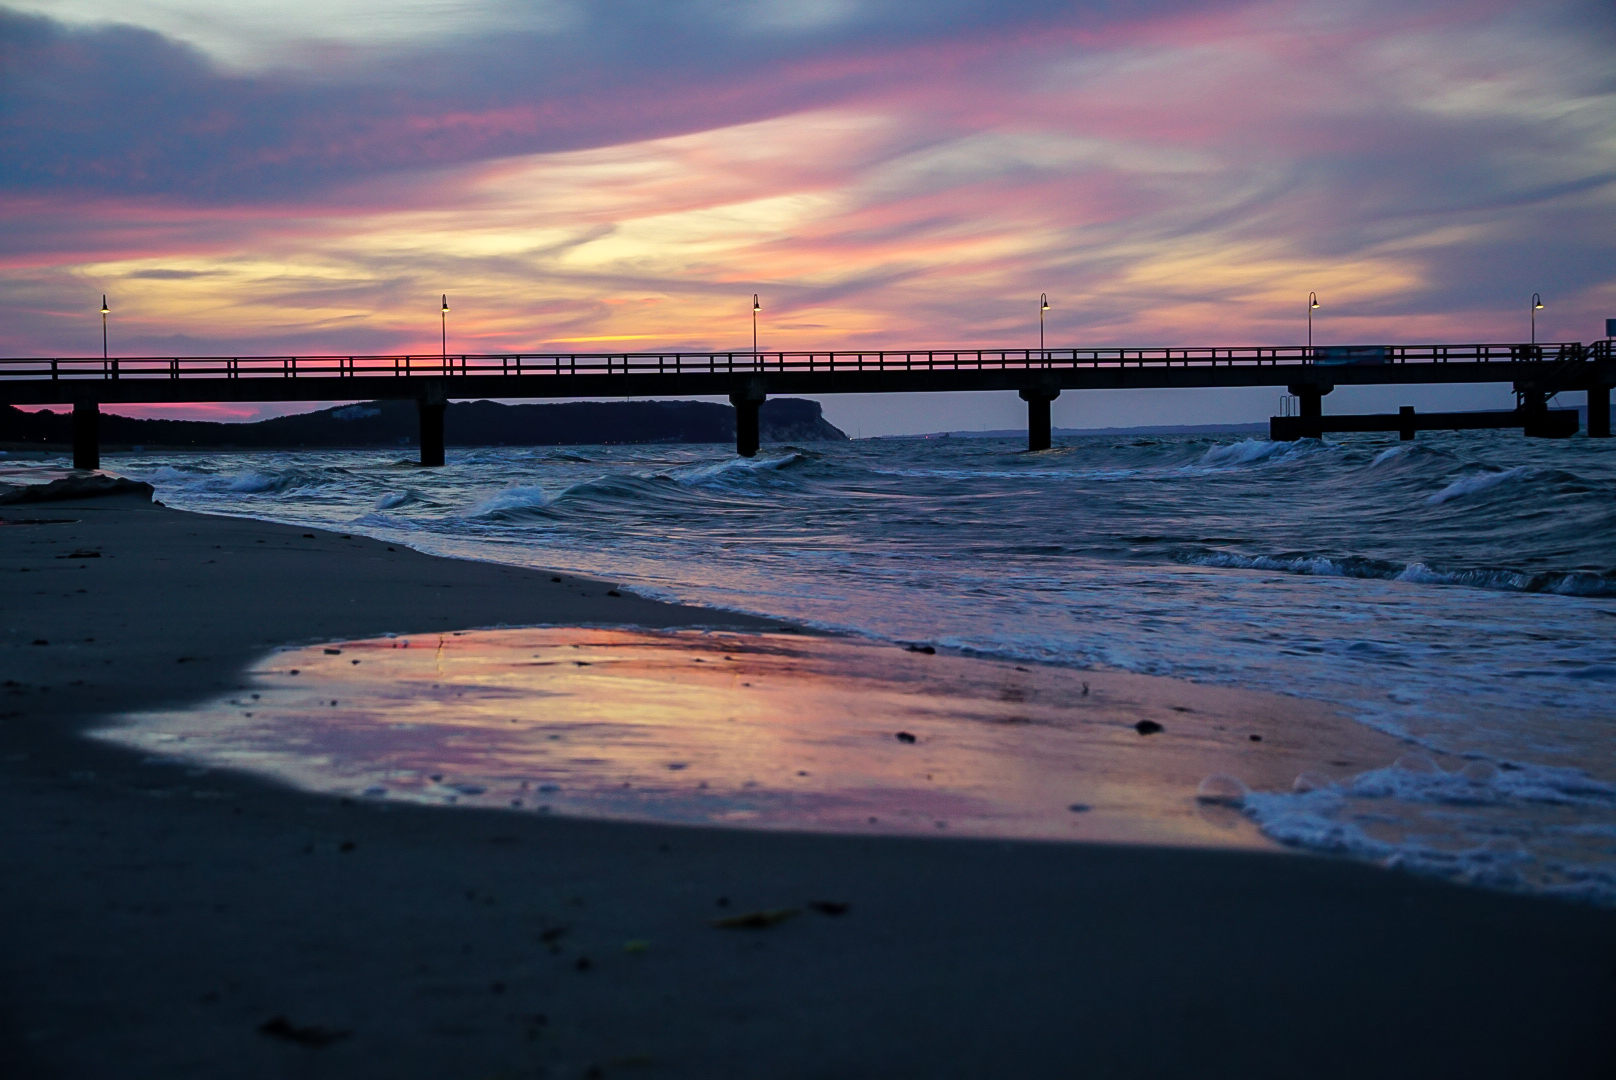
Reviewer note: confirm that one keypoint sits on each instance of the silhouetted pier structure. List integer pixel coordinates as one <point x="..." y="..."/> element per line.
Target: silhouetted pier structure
<point x="1536" y="372"/>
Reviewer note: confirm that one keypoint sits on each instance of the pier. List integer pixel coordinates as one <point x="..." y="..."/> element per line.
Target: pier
<point x="1535" y="372"/>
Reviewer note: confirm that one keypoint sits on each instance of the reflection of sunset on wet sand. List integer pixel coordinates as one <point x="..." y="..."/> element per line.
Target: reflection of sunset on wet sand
<point x="778" y="731"/>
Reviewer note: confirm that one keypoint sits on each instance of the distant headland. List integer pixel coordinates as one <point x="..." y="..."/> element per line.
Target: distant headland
<point x="471" y="423"/>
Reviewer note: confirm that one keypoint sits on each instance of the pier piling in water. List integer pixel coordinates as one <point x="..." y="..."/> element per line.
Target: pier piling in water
<point x="431" y="413"/>
<point x="1310" y="401"/>
<point x="747" y="403"/>
<point x="1038" y="399"/>
<point x="1599" y="412"/>
<point x="86" y="435"/>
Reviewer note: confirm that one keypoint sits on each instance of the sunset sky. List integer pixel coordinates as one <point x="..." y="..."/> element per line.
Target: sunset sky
<point x="309" y="176"/>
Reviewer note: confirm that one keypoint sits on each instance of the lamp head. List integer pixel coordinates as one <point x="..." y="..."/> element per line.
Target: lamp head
<point x="1312" y="300"/>
<point x="1537" y="302"/>
<point x="1043" y="302"/>
<point x="104" y="308"/>
<point x="446" y="303"/>
<point x="755" y="305"/>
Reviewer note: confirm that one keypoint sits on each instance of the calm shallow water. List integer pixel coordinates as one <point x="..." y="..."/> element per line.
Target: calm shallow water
<point x="1459" y="591"/>
<point x="778" y="731"/>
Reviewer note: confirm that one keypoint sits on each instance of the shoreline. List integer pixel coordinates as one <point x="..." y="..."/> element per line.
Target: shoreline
<point x="168" y="914"/>
<point x="761" y="730"/>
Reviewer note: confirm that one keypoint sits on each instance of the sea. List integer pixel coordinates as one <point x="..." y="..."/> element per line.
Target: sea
<point x="1457" y="592"/>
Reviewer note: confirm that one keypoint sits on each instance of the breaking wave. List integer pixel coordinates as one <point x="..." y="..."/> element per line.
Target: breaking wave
<point x="250" y="482"/>
<point x="1572" y="583"/>
<point x="681" y="485"/>
<point x="739" y="469"/>
<point x="394" y="500"/>
<point x="1259" y="452"/>
<point x="1404" y="455"/>
<point x="1476" y="483"/>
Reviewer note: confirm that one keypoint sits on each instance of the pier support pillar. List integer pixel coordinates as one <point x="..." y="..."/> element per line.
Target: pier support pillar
<point x="1310" y="402"/>
<point x="1533" y="410"/>
<point x="431" y="430"/>
<point x="86" y="435"/>
<point x="747" y="405"/>
<point x="1599" y="412"/>
<point x="1405" y="420"/>
<point x="1038" y="417"/>
<point x="430" y="407"/>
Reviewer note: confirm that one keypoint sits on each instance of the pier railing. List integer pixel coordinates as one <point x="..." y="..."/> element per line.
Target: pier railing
<point x="746" y="362"/>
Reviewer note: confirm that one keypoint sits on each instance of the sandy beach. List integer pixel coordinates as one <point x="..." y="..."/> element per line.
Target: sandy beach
<point x="166" y="920"/>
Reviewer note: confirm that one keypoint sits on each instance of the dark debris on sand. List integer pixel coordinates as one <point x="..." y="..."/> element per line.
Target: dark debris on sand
<point x="281" y="1027"/>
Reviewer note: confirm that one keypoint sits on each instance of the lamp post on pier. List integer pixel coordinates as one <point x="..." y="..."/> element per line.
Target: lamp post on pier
<point x="443" y="329"/>
<point x="1537" y="306"/>
<point x="1312" y="302"/>
<point x="756" y="307"/>
<point x="104" y="310"/>
<point x="1043" y="306"/>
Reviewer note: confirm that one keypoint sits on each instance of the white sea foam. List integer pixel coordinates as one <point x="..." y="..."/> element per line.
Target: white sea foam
<point x="1579" y="583"/>
<point x="1420" y="574"/>
<point x="1298" y="564"/>
<point x="1465" y="824"/>
<point x="1416" y="778"/>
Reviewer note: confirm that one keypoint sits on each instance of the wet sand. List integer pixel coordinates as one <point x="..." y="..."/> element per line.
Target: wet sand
<point x="166" y="920"/>
<point x="764" y="730"/>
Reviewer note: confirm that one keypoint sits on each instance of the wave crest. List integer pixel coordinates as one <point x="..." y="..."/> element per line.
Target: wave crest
<point x="392" y="500"/>
<point x="739" y="469"/>
<point x="1257" y="452"/>
<point x="1318" y="565"/>
<point x="252" y="482"/>
<point x="1411" y="457"/>
<point x="1565" y="583"/>
<point x="1475" y="483"/>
